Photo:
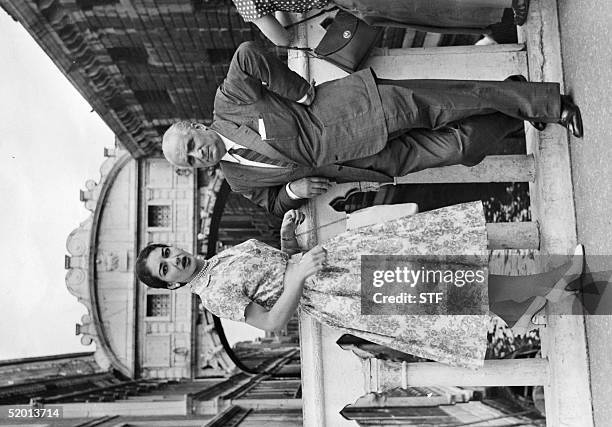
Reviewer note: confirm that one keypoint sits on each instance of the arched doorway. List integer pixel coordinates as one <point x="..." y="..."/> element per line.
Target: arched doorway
<point x="227" y="219"/>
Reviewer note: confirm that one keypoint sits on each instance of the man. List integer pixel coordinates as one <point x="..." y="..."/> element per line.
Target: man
<point x="279" y="144"/>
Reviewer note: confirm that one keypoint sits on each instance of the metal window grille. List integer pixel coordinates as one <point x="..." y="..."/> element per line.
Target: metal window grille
<point x="89" y="4"/>
<point x="220" y="56"/>
<point x="152" y="96"/>
<point x="158" y="305"/>
<point x="159" y="216"/>
<point x="134" y="54"/>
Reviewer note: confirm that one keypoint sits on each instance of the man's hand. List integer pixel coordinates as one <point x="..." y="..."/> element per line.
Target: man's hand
<point x="309" y="187"/>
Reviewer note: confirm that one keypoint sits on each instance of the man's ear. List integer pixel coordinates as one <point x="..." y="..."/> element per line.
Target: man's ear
<point x="176" y="285"/>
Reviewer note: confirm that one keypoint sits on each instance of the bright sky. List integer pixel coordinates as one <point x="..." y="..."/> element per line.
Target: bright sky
<point x="51" y="144"/>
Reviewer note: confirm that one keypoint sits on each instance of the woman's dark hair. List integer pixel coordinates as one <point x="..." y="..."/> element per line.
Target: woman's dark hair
<point x="143" y="273"/>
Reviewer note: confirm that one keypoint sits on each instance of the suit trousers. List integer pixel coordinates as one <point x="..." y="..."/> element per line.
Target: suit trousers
<point x="431" y="104"/>
<point x="465" y="142"/>
<point x="434" y="123"/>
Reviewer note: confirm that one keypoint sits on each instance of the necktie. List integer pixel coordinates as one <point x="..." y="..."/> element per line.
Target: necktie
<point x="254" y="156"/>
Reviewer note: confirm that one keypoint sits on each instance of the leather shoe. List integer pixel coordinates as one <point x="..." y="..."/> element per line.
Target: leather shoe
<point x="520" y="78"/>
<point x="571" y="117"/>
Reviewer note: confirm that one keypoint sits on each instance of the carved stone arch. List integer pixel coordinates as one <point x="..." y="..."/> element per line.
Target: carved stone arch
<point x="84" y="260"/>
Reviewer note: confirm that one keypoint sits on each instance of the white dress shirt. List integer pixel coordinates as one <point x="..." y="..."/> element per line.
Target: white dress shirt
<point x="234" y="158"/>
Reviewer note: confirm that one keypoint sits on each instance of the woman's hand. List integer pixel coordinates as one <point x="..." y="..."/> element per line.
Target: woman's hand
<point x="293" y="284"/>
<point x="291" y="220"/>
<point x="312" y="261"/>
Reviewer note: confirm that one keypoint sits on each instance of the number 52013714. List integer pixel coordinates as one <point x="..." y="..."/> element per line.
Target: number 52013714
<point x="28" y="412"/>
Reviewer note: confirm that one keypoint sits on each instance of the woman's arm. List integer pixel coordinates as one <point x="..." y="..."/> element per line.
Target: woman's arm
<point x="273" y="30"/>
<point x="283" y="309"/>
<point x="291" y="220"/>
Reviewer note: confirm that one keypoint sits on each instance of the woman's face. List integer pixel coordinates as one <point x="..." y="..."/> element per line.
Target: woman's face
<point x="171" y="264"/>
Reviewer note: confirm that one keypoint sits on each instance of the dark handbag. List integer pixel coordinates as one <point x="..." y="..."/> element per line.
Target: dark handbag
<point x="347" y="42"/>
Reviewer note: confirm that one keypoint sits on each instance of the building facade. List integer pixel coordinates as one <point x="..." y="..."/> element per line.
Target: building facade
<point x="159" y="355"/>
<point x="139" y="331"/>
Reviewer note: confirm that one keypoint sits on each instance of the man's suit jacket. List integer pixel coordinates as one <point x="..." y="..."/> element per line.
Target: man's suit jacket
<point x="345" y="122"/>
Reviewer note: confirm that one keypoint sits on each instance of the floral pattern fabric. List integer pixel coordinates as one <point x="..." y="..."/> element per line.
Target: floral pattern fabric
<point x="253" y="271"/>
<point x="254" y="9"/>
<point x="249" y="272"/>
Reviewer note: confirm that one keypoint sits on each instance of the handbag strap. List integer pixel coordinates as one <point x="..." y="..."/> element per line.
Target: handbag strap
<point x="307" y="50"/>
<point x="316" y="15"/>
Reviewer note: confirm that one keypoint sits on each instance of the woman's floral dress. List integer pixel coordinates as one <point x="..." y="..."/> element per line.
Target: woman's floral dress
<point x="253" y="272"/>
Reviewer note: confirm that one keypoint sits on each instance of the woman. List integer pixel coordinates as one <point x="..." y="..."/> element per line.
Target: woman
<point x="261" y="285"/>
<point x="438" y="16"/>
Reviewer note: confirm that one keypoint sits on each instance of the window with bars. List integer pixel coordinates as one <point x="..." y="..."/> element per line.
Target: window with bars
<point x="159" y="216"/>
<point x="89" y="4"/>
<point x="158" y="305"/>
<point x="132" y="54"/>
<point x="161" y="129"/>
<point x="207" y="4"/>
<point x="220" y="56"/>
<point x="152" y="96"/>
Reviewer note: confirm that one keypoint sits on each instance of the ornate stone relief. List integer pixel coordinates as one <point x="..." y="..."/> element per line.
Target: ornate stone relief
<point x="77" y="263"/>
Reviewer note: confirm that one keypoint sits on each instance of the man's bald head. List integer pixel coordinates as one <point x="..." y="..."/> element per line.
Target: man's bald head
<point x="190" y="144"/>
